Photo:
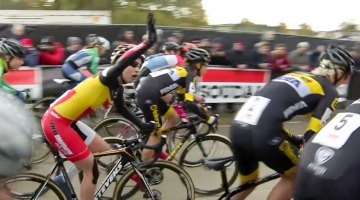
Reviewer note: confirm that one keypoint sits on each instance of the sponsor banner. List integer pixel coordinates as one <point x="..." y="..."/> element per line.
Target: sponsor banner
<point x="220" y="85"/>
<point x="26" y="78"/>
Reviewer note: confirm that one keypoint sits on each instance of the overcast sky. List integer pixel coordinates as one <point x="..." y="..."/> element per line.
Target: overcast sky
<point x="321" y="15"/>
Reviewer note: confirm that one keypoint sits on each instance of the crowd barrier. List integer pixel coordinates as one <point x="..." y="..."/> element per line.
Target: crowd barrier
<point x="218" y="85"/>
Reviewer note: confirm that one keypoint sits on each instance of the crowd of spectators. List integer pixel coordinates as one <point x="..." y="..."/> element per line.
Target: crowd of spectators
<point x="265" y="54"/>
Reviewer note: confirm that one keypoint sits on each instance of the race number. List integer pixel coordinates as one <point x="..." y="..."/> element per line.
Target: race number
<point x="338" y="130"/>
<point x="252" y="110"/>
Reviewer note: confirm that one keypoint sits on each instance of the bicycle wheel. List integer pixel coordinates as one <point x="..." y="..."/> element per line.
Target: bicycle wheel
<point x="192" y="160"/>
<point x="23" y="186"/>
<point x="40" y="150"/>
<point x="41" y="106"/>
<point x="116" y="127"/>
<point x="163" y="177"/>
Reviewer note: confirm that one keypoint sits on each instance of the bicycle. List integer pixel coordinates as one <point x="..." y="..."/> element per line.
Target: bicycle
<point x="42" y="187"/>
<point x="220" y="164"/>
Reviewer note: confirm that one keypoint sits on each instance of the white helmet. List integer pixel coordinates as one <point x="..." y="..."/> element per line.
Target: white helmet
<point x="17" y="127"/>
<point x="104" y="43"/>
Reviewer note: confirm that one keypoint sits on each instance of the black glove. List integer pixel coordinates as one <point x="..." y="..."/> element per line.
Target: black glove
<point x="147" y="128"/>
<point x="152" y="37"/>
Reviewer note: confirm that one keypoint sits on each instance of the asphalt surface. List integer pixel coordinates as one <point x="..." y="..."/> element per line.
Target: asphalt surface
<point x="203" y="177"/>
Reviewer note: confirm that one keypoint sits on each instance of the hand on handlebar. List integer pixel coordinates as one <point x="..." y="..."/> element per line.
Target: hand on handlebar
<point x="23" y="95"/>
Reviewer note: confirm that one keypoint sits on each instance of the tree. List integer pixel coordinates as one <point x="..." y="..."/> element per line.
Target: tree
<point x="305" y="29"/>
<point x="283" y="28"/>
<point x="348" y="27"/>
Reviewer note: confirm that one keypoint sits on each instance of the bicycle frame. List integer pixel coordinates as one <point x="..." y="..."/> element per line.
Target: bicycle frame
<point x="228" y="194"/>
<point x="127" y="156"/>
<point x="191" y="127"/>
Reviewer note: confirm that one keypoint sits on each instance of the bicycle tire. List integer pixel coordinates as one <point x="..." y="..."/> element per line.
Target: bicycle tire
<point x="190" y="166"/>
<point x="40" y="106"/>
<point x="160" y="165"/>
<point x="32" y="179"/>
<point x="116" y="127"/>
<point x="38" y="109"/>
<point x="39" y="148"/>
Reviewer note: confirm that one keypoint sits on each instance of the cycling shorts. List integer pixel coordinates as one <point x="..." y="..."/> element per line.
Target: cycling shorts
<point x="251" y="145"/>
<point x="69" y="137"/>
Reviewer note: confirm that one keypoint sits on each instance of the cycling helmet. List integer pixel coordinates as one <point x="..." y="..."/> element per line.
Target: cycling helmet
<point x="91" y="39"/>
<point x="339" y="58"/>
<point x="119" y="51"/>
<point x="17" y="127"/>
<point x="12" y="48"/>
<point x="197" y="55"/>
<point x="170" y="46"/>
<point x="104" y="43"/>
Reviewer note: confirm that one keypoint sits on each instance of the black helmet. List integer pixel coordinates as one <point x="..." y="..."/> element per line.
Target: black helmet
<point x="339" y="57"/>
<point x="119" y="51"/>
<point x="197" y="55"/>
<point x="170" y="46"/>
<point x="12" y="47"/>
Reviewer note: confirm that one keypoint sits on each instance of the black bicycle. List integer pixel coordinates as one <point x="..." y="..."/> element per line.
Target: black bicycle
<point x="220" y="164"/>
<point x="36" y="186"/>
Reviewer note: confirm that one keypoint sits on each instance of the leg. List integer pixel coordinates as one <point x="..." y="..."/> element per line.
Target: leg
<point x="284" y="189"/>
<point x="171" y="118"/>
<point x="88" y="185"/>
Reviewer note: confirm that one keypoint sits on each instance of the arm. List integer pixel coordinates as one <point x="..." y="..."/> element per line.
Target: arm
<point x="118" y="99"/>
<point x="189" y="102"/>
<point x="321" y="114"/>
<point x="3" y="85"/>
<point x="109" y="77"/>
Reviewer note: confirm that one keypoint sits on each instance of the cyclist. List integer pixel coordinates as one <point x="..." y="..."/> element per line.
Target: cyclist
<point x="329" y="166"/>
<point x="12" y="55"/>
<point x="15" y="144"/>
<point x="151" y="89"/>
<point x="88" y="57"/>
<point x="257" y="132"/>
<point x="73" y="138"/>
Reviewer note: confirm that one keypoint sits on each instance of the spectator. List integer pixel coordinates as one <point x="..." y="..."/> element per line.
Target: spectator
<point x="237" y="56"/>
<point x="278" y="58"/>
<point x="74" y="44"/>
<point x="299" y="58"/>
<point x="218" y="53"/>
<point x="204" y="43"/>
<point x="176" y="37"/>
<point x="314" y="56"/>
<point x="17" y="31"/>
<point x="51" y="51"/>
<point x="259" y="58"/>
<point x="31" y="53"/>
<point x="128" y="37"/>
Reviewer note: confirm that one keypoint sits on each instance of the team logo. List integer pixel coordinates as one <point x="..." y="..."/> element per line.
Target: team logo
<point x="323" y="154"/>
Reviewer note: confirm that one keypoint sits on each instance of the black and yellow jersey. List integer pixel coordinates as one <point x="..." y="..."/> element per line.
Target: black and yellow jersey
<point x="162" y="82"/>
<point x="290" y="95"/>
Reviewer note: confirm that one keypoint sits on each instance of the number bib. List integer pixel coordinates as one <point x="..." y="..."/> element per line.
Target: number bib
<point x="251" y="111"/>
<point x="338" y="130"/>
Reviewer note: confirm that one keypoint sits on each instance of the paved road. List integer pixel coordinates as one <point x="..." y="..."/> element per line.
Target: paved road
<point x="297" y="126"/>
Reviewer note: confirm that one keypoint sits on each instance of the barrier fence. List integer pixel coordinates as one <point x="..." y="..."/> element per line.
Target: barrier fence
<point x="218" y="85"/>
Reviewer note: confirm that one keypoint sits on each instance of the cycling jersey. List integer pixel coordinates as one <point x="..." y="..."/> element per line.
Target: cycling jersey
<point x="257" y="133"/>
<point x="96" y="91"/>
<point x="158" y="62"/>
<point x="88" y="58"/>
<point x="330" y="163"/>
<point x="3" y="85"/>
<point x="162" y="82"/>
